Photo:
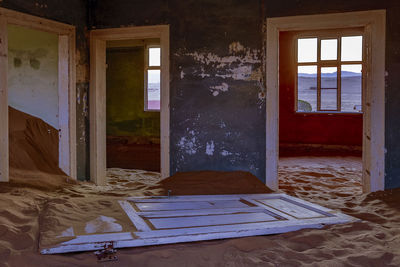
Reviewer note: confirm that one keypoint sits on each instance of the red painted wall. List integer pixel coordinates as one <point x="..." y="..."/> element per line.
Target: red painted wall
<point x="326" y="129"/>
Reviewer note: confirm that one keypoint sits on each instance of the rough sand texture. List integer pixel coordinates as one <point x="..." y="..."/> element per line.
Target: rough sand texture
<point x="33" y="143"/>
<point x="331" y="182"/>
<point x="33" y="152"/>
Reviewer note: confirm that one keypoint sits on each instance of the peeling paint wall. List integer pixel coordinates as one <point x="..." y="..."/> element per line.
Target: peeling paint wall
<point x="217" y="117"/>
<point x="217" y="99"/>
<point x="216" y="66"/>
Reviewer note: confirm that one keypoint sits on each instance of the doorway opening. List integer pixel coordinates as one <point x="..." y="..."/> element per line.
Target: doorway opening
<point x="373" y="95"/>
<point x="129" y="96"/>
<point x="133" y="110"/>
<point x="37" y="96"/>
<point x="320" y="110"/>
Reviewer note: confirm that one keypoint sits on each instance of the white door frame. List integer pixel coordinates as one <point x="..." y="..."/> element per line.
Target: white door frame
<point x="374" y="24"/>
<point x="97" y="93"/>
<point x="66" y="87"/>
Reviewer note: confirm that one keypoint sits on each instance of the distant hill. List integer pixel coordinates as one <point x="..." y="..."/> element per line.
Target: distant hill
<point x="154" y="86"/>
<point x="333" y="74"/>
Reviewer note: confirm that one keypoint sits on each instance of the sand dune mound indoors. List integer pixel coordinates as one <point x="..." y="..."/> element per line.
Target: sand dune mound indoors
<point x="213" y="183"/>
<point x="33" y="152"/>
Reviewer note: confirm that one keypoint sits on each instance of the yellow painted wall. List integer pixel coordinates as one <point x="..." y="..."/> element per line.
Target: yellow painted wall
<point x="125" y="95"/>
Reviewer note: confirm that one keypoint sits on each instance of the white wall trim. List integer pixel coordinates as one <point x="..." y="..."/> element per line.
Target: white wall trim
<point x="97" y="93"/>
<point x="374" y="24"/>
<point x="66" y="87"/>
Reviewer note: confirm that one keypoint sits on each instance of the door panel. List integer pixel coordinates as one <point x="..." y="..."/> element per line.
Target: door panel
<point x="165" y="220"/>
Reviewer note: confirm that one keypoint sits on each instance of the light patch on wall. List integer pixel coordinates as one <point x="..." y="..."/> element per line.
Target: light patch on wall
<point x="203" y="73"/>
<point x="225" y="153"/>
<point x="81" y="97"/>
<point x="219" y="88"/>
<point x="210" y="148"/>
<point x="40" y="5"/>
<point x="256" y="75"/>
<point x="236" y="47"/>
<point x="85" y="104"/>
<point x="182" y="74"/>
<point x="188" y="144"/>
<point x="82" y="68"/>
<point x="239" y="73"/>
<point x="78" y="95"/>
<point x="249" y="57"/>
<point x="238" y="65"/>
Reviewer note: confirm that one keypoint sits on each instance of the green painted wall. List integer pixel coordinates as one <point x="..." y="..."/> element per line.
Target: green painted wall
<point x="33" y="73"/>
<point x="125" y="95"/>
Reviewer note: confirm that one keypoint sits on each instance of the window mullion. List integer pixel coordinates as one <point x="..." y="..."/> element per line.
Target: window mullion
<point x="153" y="67"/>
<point x="319" y="74"/>
<point x="330" y="63"/>
<point x="146" y="70"/>
<point x="296" y="102"/>
<point x="339" y="75"/>
<point x="351" y="62"/>
<point x="329" y="66"/>
<point x="307" y="63"/>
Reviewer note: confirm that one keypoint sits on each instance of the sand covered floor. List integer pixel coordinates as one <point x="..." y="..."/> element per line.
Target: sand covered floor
<point x="333" y="182"/>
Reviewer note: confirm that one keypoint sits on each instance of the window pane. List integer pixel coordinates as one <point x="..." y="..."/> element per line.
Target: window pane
<point x="329" y="77"/>
<point x="153" y="89"/>
<point x="307" y="88"/>
<point x="329" y="49"/>
<point x="307" y="50"/>
<point x="154" y="56"/>
<point x="352" y="48"/>
<point x="329" y="88"/>
<point x="351" y="88"/>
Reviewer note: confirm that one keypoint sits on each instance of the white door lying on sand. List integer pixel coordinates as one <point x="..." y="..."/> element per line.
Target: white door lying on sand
<point x="164" y="220"/>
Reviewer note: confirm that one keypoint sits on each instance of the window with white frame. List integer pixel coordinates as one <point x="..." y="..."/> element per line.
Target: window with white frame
<point x="152" y="94"/>
<point x="329" y="73"/>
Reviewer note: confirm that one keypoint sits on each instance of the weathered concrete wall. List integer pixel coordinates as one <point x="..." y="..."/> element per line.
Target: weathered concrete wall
<point x="74" y="12"/>
<point x="125" y="95"/>
<point x="217" y="118"/>
<point x="33" y="73"/>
